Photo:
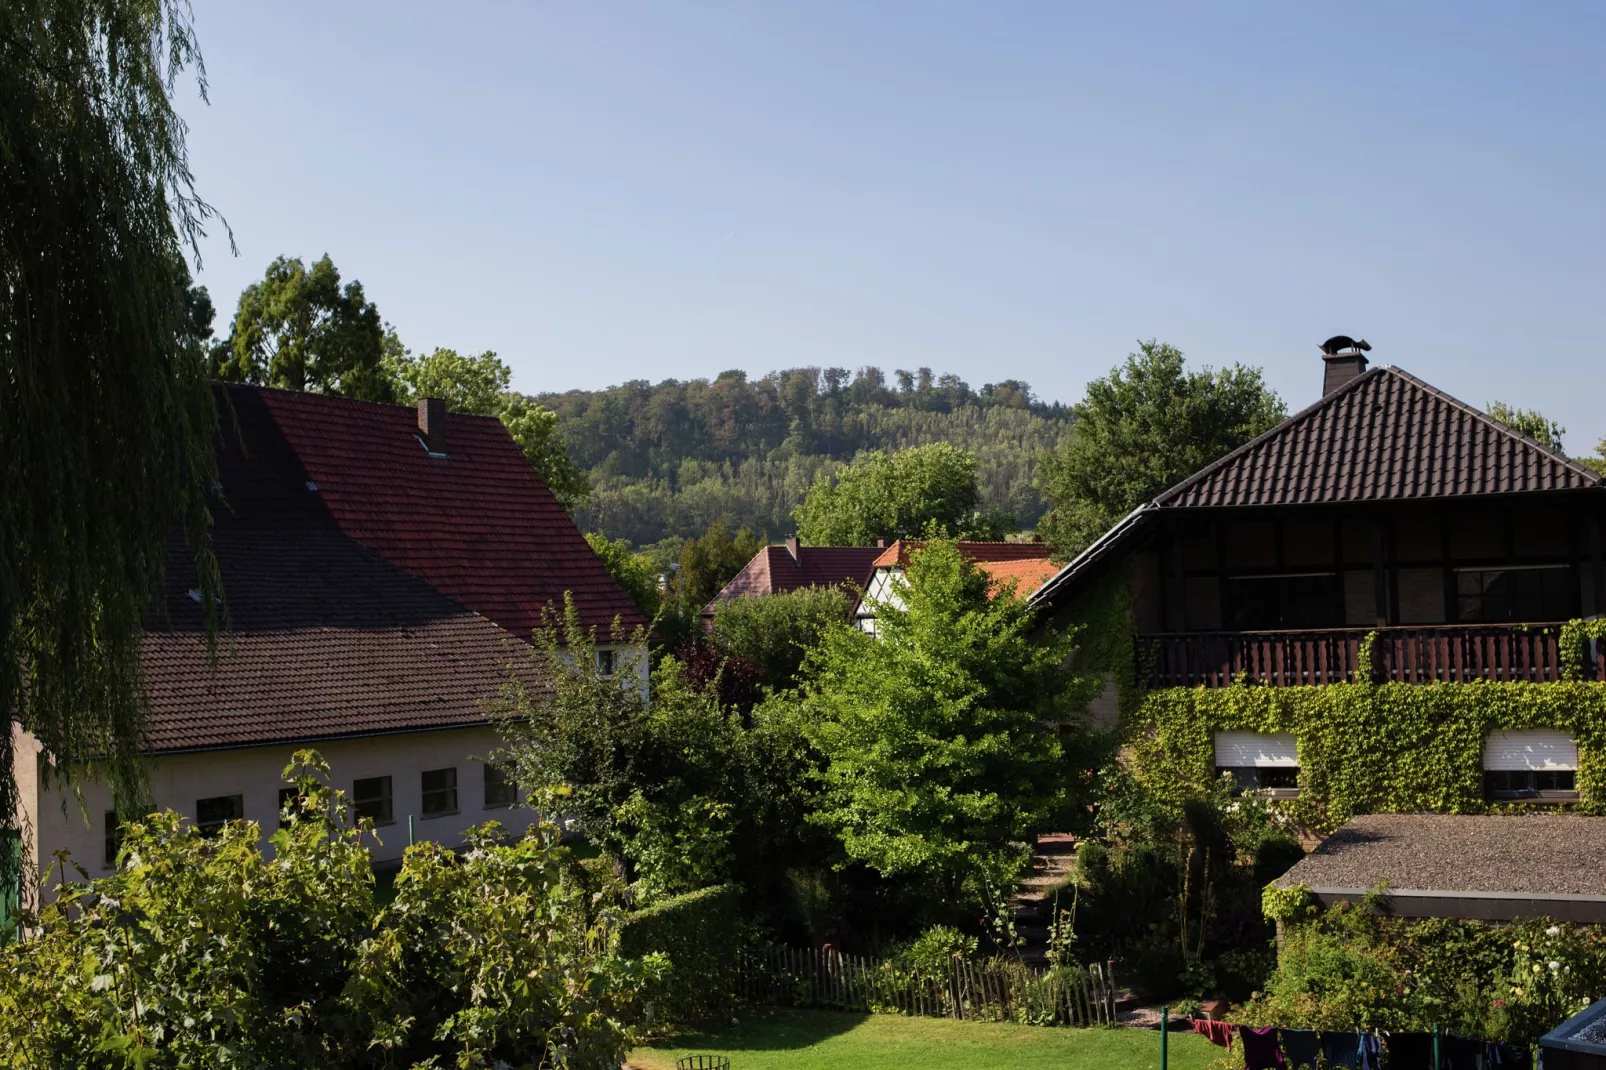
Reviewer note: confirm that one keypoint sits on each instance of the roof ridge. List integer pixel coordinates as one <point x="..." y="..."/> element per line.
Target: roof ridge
<point x="341" y="399"/>
<point x="1505" y="433"/>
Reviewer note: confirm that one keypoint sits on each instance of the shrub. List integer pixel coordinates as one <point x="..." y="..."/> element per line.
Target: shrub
<point x="1274" y="856"/>
<point x="199" y="951"/>
<point x="697" y="932"/>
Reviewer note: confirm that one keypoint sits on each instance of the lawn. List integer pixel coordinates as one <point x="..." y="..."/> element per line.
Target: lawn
<point x="817" y="1040"/>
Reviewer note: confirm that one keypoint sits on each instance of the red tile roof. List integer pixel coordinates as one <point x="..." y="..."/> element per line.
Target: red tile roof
<point x="369" y="588"/>
<point x="481" y="527"/>
<point x="1384" y="435"/>
<point x="1028" y="574"/>
<point x="774" y="570"/>
<point x="975" y="550"/>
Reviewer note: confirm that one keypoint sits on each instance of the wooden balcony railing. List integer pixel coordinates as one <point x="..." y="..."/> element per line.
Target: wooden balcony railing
<point x="1445" y="653"/>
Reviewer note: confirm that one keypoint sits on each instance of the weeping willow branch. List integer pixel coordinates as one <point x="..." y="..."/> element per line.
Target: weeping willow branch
<point x="106" y="419"/>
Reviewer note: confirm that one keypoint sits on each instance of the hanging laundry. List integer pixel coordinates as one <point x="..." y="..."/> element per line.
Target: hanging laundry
<point x="1461" y="1053"/>
<point x="1410" y="1051"/>
<point x="1301" y="1047"/>
<point x="1504" y="1056"/>
<point x="1218" y="1033"/>
<point x="1370" y="1052"/>
<point x="1341" y="1050"/>
<point x="1260" y="1048"/>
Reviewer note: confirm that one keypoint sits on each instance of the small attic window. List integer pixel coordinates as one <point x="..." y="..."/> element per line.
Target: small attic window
<point x="435" y="455"/>
<point x="312" y="486"/>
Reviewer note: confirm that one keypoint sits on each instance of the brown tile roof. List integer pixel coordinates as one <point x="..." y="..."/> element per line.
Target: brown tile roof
<point x="1538" y="854"/>
<point x="1385" y="435"/>
<point x="773" y="570"/>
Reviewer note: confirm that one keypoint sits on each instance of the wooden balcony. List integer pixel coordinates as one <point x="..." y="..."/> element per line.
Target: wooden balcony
<point x="1458" y="653"/>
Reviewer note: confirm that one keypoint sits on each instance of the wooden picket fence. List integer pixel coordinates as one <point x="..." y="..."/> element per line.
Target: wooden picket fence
<point x="997" y="990"/>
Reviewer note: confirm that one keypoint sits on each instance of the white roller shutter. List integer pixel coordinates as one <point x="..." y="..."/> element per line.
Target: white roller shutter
<point x="1531" y="748"/>
<point x="1243" y="750"/>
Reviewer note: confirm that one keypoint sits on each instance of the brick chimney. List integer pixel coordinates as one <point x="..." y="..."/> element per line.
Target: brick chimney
<point x="1345" y="359"/>
<point x="432" y="423"/>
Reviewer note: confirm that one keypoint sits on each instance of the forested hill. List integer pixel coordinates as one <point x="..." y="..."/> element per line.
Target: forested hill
<point x="667" y="459"/>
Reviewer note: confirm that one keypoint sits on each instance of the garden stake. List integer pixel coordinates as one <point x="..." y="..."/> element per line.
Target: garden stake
<point x="1436" y="1063"/>
<point x="1165" y="1027"/>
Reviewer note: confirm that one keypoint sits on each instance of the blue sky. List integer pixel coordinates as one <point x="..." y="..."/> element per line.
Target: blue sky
<point x="605" y="191"/>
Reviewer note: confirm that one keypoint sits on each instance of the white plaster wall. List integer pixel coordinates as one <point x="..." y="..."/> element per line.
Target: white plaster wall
<point x="177" y="781"/>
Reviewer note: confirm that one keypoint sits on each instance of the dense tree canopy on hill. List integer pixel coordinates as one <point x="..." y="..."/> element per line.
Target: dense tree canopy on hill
<point x="668" y="459"/>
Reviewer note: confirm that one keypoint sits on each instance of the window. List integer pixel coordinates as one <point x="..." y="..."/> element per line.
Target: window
<point x="212" y="814"/>
<point x="607" y="661"/>
<point x="1513" y="594"/>
<point x="114" y="837"/>
<point x="1268" y="764"/>
<point x="1266" y="603"/>
<point x="288" y="798"/>
<point x="1532" y="764"/>
<point x="371" y="798"/>
<point x="500" y="788"/>
<point x="440" y="792"/>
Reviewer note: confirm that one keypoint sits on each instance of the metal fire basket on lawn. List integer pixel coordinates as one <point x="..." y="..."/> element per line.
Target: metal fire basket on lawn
<point x="703" y="1062"/>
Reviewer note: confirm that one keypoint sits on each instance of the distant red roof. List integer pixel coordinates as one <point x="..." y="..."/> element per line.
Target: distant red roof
<point x="774" y="570"/>
<point x="975" y="550"/>
<point x="1028" y="575"/>
<point x="480" y="527"/>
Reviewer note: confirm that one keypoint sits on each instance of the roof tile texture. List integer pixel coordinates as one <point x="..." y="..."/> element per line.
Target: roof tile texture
<point x="773" y="570"/>
<point x="1386" y="435"/>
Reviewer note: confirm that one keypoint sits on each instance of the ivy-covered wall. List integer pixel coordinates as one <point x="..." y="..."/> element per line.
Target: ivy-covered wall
<point x="1366" y="747"/>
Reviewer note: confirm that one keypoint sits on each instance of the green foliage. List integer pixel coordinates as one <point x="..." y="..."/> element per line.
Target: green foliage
<point x="776" y="631"/>
<point x="667" y="459"/>
<point x="634" y="571"/>
<point x="536" y="431"/>
<point x="108" y="421"/>
<point x="898" y="495"/>
<point x="1145" y="426"/>
<point x="709" y="562"/>
<point x="1275" y="855"/>
<point x="936" y="733"/>
<point x="1531" y="422"/>
<point x="931" y="954"/>
<point x="1352" y="968"/>
<point x="1287" y="904"/>
<point x="299" y="329"/>
<point x="200" y="951"/>
<point x="697" y="932"/>
<point x="684" y="790"/>
<point x="1434" y="735"/>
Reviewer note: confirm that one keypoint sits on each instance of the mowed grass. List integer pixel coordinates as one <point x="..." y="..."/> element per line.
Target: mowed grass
<point x="817" y="1040"/>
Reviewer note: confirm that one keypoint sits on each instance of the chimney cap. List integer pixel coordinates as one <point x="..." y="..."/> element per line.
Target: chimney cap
<point x="1343" y="343"/>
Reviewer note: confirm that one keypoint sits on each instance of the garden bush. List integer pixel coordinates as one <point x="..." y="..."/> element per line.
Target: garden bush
<point x="1350" y="967"/>
<point x="698" y="933"/>
<point x="201" y="951"/>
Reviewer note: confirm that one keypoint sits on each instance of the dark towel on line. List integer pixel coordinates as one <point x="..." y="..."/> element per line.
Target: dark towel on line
<point x="1461" y="1053"/>
<point x="1260" y="1048"/>
<point x="1342" y="1050"/>
<point x="1411" y="1051"/>
<point x="1301" y="1046"/>
<point x="1371" y="1057"/>
<point x="1510" y="1056"/>
<point x="1218" y="1033"/>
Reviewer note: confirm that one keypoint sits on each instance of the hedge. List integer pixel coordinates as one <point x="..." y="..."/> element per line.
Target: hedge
<point x="696" y="931"/>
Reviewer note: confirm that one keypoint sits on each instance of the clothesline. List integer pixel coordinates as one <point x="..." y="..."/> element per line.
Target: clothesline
<point x="1274" y="1048"/>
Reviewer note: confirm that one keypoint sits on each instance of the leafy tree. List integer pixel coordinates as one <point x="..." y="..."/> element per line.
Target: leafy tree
<point x="684" y="790"/>
<point x="633" y="571"/>
<point x="940" y="755"/>
<point x="774" y="633"/>
<point x="1145" y="426"/>
<point x="479" y="385"/>
<point x="893" y="496"/>
<point x="708" y="563"/>
<point x="108" y="420"/>
<point x="299" y="329"/>
<point x="1531" y="422"/>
